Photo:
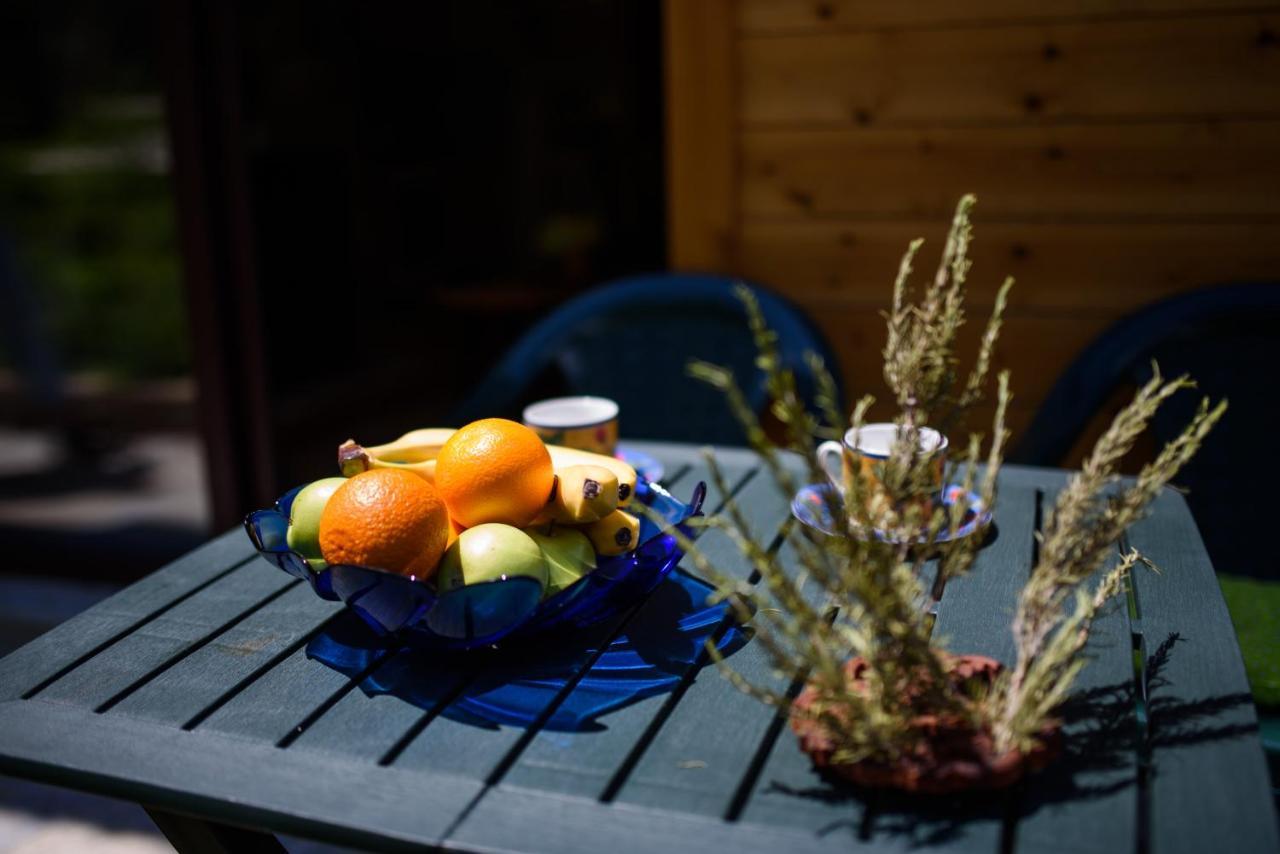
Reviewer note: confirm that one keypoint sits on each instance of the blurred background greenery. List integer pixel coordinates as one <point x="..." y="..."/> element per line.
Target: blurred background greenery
<point x="86" y="199"/>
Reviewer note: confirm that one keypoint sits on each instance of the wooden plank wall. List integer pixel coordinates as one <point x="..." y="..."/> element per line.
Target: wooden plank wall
<point x="1121" y="151"/>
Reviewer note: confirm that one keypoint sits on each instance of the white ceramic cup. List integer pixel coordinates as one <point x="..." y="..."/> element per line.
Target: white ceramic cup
<point x="584" y="422"/>
<point x="871" y="445"/>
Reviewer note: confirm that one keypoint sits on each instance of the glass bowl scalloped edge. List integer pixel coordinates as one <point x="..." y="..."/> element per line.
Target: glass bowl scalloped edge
<point x="482" y="614"/>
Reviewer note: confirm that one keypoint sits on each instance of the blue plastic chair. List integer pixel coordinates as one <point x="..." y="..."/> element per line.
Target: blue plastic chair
<point x="1228" y="340"/>
<point x="631" y="340"/>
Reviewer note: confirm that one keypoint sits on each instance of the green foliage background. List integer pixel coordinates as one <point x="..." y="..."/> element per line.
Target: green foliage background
<point x="1254" y="607"/>
<point x="91" y="216"/>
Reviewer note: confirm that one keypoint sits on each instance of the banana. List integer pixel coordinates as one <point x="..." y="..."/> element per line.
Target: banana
<point x="615" y="534"/>
<point x="562" y="458"/>
<point x="584" y="494"/>
<point x="415" y="451"/>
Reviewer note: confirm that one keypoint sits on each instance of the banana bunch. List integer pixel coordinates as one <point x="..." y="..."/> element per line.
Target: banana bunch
<point x="415" y="451"/>
<point x="588" y="497"/>
<point x="574" y="500"/>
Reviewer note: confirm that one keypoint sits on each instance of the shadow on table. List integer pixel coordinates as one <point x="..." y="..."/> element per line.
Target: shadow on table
<point x="522" y="681"/>
<point x="1104" y="754"/>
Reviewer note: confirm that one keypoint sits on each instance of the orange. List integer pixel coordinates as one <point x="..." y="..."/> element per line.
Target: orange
<point x="388" y="519"/>
<point x="494" y="470"/>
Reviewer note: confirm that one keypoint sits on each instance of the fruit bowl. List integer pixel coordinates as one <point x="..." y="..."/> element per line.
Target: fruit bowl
<point x="481" y="614"/>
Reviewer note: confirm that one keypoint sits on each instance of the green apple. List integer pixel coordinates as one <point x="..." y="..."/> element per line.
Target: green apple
<point x="303" y="535"/>
<point x="568" y="554"/>
<point x="490" y="552"/>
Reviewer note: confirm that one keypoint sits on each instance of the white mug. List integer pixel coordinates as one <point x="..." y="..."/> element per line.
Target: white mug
<point x="871" y="445"/>
<point x="586" y="423"/>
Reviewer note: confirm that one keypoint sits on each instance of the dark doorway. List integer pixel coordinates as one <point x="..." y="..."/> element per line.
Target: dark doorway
<point x="413" y="185"/>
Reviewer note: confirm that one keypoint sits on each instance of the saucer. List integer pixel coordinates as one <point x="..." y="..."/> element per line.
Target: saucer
<point x="646" y="465"/>
<point x="813" y="505"/>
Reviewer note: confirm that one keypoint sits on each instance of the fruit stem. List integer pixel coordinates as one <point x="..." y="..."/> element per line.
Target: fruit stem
<point x="352" y="459"/>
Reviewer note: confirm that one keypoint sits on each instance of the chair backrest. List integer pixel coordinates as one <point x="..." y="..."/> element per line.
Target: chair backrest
<point x="631" y="340"/>
<point x="1228" y="340"/>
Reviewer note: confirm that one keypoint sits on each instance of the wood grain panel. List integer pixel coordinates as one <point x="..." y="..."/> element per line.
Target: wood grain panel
<point x="774" y="16"/>
<point x="1067" y="266"/>
<point x="1035" y="348"/>
<point x="1099" y="69"/>
<point x="1160" y="172"/>
<point x="1122" y="152"/>
<point x="701" y="178"/>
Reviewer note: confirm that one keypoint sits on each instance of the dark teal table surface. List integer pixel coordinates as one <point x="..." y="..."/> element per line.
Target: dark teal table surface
<point x="192" y="692"/>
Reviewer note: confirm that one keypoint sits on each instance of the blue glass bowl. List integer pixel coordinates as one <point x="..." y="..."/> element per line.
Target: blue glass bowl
<point x="610" y="665"/>
<point x="482" y="614"/>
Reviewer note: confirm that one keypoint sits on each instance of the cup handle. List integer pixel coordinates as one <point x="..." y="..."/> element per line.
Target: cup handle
<point x="824" y="453"/>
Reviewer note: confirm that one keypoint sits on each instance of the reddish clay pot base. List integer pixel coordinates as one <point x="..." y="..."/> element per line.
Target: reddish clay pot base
<point x="953" y="757"/>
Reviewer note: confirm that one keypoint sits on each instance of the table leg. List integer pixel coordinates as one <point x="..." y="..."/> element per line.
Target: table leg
<point x="196" y="836"/>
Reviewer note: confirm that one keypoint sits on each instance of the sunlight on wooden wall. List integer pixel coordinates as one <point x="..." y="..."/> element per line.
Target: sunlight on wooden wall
<point x="1121" y="151"/>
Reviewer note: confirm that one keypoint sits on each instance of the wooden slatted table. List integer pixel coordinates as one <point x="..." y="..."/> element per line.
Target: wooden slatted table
<point x="192" y="693"/>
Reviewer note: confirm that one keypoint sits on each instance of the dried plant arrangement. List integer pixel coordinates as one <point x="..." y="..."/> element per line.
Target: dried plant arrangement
<point x="882" y="705"/>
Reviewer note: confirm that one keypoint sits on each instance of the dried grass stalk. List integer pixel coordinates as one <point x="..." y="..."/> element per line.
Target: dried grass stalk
<point x="821" y="602"/>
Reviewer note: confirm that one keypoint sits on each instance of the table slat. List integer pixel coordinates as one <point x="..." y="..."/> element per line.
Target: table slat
<point x="586" y="763"/>
<point x="327" y="711"/>
<point x="699" y="757"/>
<point x="218" y="640"/>
<point x="270" y="708"/>
<point x="376" y="727"/>
<point x="163" y="640"/>
<point x="520" y="819"/>
<point x="706" y="756"/>
<point x="452" y="744"/>
<point x="88" y="633"/>
<point x="790" y="793"/>
<point x="977" y="608"/>
<point x="1088" y="798"/>
<point x="229" y="780"/>
<point x="973" y="617"/>
<point x="698" y="760"/>
<point x="205" y="676"/>
<point x="1206" y="758"/>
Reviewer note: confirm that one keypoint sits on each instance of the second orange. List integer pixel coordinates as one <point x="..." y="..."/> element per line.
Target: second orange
<point x="494" y="470"/>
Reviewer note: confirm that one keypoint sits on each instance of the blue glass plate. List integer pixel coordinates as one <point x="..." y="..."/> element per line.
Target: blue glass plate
<point x="481" y="614"/>
<point x="513" y="684"/>
<point x="818" y="504"/>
